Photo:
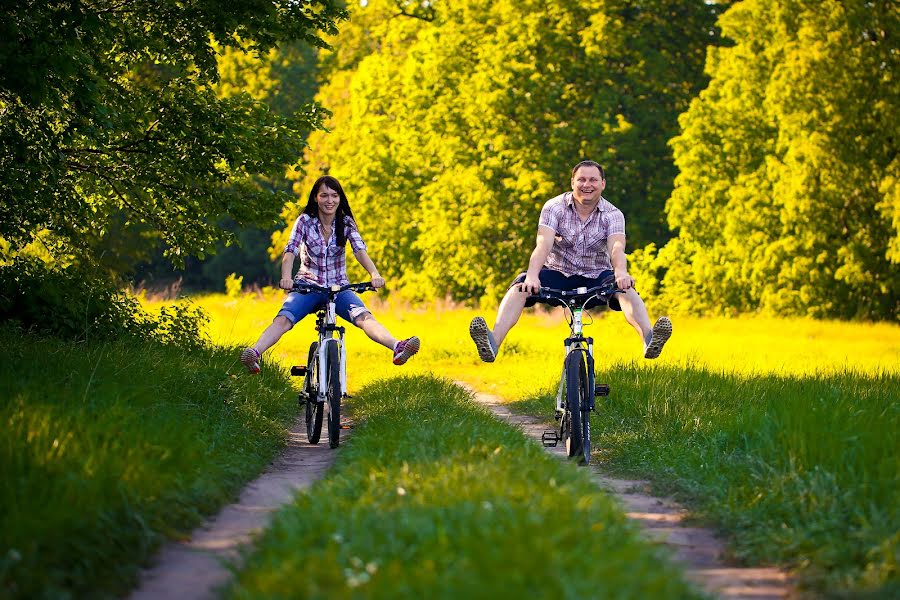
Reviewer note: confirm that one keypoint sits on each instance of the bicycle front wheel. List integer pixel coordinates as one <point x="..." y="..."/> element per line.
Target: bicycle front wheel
<point x="578" y="425"/>
<point x="333" y="396"/>
<point x="311" y="389"/>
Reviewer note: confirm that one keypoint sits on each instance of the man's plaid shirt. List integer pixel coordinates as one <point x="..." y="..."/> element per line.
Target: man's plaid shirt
<point x="580" y="247"/>
<point x="322" y="262"/>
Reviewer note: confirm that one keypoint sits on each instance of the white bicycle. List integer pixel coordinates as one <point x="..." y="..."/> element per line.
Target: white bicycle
<point x="325" y="373"/>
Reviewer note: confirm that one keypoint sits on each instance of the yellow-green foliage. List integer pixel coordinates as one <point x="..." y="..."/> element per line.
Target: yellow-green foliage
<point x="787" y="197"/>
<point x="450" y="134"/>
<point x="532" y="354"/>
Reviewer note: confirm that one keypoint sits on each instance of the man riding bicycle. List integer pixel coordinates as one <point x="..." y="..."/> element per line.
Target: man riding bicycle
<point x="580" y="243"/>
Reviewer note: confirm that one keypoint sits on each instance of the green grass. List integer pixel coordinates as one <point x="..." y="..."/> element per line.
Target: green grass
<point x="800" y="471"/>
<point x="107" y="449"/>
<point x="434" y="497"/>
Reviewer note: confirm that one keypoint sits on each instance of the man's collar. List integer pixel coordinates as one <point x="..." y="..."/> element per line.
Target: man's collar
<point x="569" y="198"/>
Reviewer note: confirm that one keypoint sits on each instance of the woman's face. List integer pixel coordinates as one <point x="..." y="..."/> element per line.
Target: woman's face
<point x="327" y="199"/>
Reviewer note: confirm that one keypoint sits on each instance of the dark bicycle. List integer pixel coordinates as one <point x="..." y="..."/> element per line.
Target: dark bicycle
<point x="577" y="389"/>
<point x="325" y="373"/>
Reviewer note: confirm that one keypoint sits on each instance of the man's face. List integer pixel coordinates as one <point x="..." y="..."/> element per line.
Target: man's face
<point x="587" y="184"/>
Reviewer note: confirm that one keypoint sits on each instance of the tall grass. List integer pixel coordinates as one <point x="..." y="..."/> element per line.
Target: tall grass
<point x="107" y="449"/>
<point x="432" y="497"/>
<point x="800" y="471"/>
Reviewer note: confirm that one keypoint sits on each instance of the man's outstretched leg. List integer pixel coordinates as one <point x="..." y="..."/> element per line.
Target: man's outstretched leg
<point x="635" y="312"/>
<point x="488" y="342"/>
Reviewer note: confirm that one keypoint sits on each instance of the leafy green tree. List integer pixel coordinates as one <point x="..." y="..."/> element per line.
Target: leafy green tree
<point x="109" y="108"/>
<point x="787" y="196"/>
<point x="450" y="129"/>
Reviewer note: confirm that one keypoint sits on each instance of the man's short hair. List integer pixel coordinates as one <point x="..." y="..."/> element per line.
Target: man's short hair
<point x="588" y="163"/>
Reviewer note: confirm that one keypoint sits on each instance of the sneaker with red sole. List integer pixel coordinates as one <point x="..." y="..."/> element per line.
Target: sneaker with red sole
<point x="405" y="349"/>
<point x="250" y="359"/>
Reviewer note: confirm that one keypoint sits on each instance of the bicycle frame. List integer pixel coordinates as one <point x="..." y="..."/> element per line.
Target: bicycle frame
<point x="573" y="408"/>
<point x="576" y="341"/>
<point x="326" y="325"/>
<point x="330" y="352"/>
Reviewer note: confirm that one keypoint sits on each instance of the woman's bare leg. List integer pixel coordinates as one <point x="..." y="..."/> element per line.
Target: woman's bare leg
<point x="376" y="331"/>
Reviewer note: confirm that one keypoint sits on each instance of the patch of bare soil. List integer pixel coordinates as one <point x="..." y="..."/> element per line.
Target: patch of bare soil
<point x="196" y="568"/>
<point x="702" y="555"/>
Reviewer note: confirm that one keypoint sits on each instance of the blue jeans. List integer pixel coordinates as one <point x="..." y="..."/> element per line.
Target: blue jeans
<point x="347" y="305"/>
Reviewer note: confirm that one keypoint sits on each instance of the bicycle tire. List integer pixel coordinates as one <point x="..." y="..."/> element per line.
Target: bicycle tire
<point x="577" y="424"/>
<point x="333" y="396"/>
<point x="314" y="409"/>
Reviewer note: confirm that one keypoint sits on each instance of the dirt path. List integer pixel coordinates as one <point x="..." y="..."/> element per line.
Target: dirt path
<point x="662" y="520"/>
<point x="194" y="569"/>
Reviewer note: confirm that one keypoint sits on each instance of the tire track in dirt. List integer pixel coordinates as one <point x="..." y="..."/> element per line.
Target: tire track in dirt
<point x="196" y="568"/>
<point x="700" y="553"/>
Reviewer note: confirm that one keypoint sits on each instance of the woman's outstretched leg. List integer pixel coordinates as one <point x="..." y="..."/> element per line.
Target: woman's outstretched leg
<point x="403" y="349"/>
<point x="250" y="356"/>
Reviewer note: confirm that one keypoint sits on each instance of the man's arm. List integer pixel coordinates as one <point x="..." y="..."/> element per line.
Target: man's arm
<point x="615" y="244"/>
<point x="545" y="239"/>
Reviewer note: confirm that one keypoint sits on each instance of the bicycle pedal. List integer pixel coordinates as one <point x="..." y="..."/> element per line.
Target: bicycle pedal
<point x="298" y="371"/>
<point x="549" y="438"/>
<point x="346" y="426"/>
<point x="601" y="389"/>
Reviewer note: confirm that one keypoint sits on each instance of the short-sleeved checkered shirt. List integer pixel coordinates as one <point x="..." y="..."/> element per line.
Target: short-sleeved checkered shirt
<point x="322" y="262"/>
<point x="580" y="247"/>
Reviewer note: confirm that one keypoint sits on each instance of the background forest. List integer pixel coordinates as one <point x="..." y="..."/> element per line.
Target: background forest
<point x="751" y="145"/>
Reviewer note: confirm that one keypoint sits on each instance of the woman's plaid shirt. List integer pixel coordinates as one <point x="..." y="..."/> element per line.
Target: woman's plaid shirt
<point x="322" y="262"/>
<point x="580" y="247"/>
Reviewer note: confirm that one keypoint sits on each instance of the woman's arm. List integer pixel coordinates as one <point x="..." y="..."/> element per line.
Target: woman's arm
<point x="287" y="270"/>
<point x="363" y="259"/>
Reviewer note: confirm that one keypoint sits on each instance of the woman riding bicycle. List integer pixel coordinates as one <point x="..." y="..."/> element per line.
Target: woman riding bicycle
<point x="319" y="239"/>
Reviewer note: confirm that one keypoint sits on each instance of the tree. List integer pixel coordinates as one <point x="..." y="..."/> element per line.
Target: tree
<point x="450" y="131"/>
<point x="787" y="195"/>
<point x="109" y="108"/>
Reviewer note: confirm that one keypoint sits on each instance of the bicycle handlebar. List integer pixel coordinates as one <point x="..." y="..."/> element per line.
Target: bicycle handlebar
<point x="308" y="288"/>
<point x="578" y="295"/>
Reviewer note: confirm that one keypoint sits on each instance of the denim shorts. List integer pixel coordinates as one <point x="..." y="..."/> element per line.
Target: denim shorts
<point x="555" y="279"/>
<point x="347" y="305"/>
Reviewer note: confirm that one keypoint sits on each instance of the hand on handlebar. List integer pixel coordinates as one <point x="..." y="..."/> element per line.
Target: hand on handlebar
<point x="286" y="284"/>
<point x="532" y="285"/>
<point x="624" y="281"/>
<point x="377" y="281"/>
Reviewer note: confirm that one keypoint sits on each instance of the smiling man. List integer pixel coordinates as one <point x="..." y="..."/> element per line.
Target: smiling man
<point x="580" y="243"/>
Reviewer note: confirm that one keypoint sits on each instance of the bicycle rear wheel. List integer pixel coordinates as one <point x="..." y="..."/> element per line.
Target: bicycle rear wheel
<point x="577" y="425"/>
<point x="311" y="388"/>
<point x="333" y="396"/>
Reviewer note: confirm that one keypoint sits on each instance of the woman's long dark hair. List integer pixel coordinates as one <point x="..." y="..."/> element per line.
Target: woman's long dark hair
<point x="312" y="207"/>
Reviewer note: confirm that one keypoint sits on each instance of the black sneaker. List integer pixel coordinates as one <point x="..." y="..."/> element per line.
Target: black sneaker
<point x="659" y="335"/>
<point x="484" y="339"/>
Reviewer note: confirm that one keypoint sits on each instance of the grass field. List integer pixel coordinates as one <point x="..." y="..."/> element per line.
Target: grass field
<point x="532" y="354"/>
<point x="782" y="433"/>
